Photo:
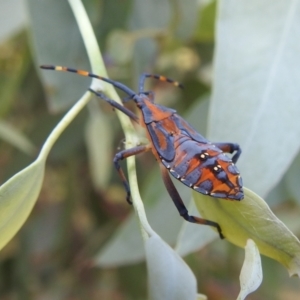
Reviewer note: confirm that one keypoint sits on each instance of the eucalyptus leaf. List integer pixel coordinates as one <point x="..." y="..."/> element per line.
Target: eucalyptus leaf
<point x="187" y="17"/>
<point x="120" y="46"/>
<point x="13" y="18"/>
<point x="256" y="90"/>
<point x="149" y="14"/>
<point x="252" y="218"/>
<point x="193" y="237"/>
<point x="201" y="297"/>
<point x="56" y="40"/>
<point x="205" y="30"/>
<point x="99" y="145"/>
<point x="278" y="194"/>
<point x="169" y="276"/>
<point x="291" y="179"/>
<point x="251" y="273"/>
<point x="19" y="194"/>
<point x="16" y="138"/>
<point x="17" y="198"/>
<point x="126" y="245"/>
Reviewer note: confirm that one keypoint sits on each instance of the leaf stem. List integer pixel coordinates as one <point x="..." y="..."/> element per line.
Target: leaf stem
<point x="63" y="124"/>
<point x="97" y="65"/>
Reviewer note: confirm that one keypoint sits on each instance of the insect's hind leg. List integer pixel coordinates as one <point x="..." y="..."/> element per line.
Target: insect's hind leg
<point x="180" y="205"/>
<point x="116" y="105"/>
<point x="125" y="154"/>
<point x="230" y="148"/>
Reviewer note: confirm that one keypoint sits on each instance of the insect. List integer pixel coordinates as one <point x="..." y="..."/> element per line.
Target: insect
<point x="180" y="150"/>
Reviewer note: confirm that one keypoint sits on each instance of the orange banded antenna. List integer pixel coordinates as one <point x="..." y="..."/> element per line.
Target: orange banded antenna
<point x="117" y="84"/>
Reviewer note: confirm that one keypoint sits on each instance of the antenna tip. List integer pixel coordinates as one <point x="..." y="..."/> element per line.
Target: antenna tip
<point x="47" y="67"/>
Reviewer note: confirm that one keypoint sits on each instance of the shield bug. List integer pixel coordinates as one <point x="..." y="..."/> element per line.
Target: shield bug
<point x="180" y="150"/>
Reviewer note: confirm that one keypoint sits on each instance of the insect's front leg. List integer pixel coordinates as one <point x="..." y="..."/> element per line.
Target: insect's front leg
<point x="230" y="148"/>
<point x="124" y="154"/>
<point x="180" y="205"/>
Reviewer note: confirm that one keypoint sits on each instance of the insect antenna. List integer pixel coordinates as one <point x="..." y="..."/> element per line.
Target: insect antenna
<point x="116" y="84"/>
<point x="158" y="77"/>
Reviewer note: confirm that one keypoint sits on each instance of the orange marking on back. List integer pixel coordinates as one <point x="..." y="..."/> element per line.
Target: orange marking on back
<point x="157" y="114"/>
<point x="170" y="126"/>
<point x="194" y="164"/>
<point x="179" y="158"/>
<point x="161" y="139"/>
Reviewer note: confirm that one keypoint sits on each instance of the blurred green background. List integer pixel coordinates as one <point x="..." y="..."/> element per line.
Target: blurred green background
<point x="77" y="213"/>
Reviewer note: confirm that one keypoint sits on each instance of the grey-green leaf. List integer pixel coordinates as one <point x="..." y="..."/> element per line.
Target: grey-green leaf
<point x="193" y="237"/>
<point x="169" y="276"/>
<point x="251" y="273"/>
<point x="16" y="138"/>
<point x="19" y="193"/>
<point x="17" y="197"/>
<point x="13" y="18"/>
<point x="291" y="179"/>
<point x="56" y="40"/>
<point x="99" y="141"/>
<point x="252" y="218"/>
<point x="256" y="90"/>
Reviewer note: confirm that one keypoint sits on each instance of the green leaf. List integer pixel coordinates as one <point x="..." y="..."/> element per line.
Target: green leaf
<point x="126" y="245"/>
<point x="99" y="141"/>
<point x="120" y="46"/>
<point x="193" y="237"/>
<point x="169" y="276"/>
<point x="206" y="24"/>
<point x="145" y="14"/>
<point x="251" y="273"/>
<point x="19" y="193"/>
<point x="56" y="40"/>
<point x="255" y="96"/>
<point x="278" y="194"/>
<point x="16" y="138"/>
<point x="201" y="297"/>
<point x="186" y="19"/>
<point x="252" y="218"/>
<point x="17" y="197"/>
<point x="291" y="179"/>
<point x="13" y="18"/>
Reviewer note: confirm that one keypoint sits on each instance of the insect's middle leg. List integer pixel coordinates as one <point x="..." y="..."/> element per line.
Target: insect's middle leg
<point x="230" y="148"/>
<point x="124" y="154"/>
<point x="180" y="205"/>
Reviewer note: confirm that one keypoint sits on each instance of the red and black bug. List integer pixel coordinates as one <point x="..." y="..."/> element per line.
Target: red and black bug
<point x="180" y="150"/>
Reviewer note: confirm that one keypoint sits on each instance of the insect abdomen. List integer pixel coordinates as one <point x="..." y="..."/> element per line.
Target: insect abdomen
<point x="206" y="169"/>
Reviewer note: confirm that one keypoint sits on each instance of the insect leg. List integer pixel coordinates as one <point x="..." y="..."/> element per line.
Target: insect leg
<point x="124" y="154"/>
<point x="230" y="148"/>
<point x="116" y="105"/>
<point x="180" y="205"/>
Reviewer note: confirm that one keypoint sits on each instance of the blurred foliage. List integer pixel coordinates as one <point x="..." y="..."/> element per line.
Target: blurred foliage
<point x="52" y="256"/>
